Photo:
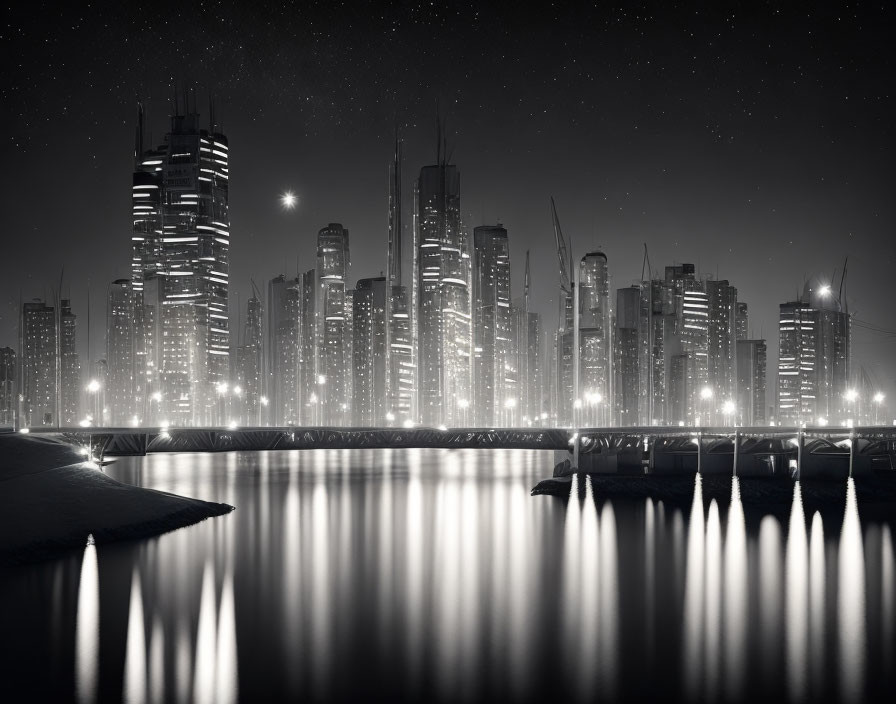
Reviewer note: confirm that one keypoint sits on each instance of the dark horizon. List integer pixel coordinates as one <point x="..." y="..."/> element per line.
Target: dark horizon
<point x="756" y="146"/>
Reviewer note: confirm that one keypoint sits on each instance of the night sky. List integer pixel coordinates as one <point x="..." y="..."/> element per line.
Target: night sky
<point x="756" y="142"/>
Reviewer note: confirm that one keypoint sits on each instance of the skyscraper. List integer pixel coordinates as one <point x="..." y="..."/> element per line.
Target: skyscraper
<point x="284" y="351"/>
<point x="69" y="366"/>
<point x="495" y="398"/>
<point x="632" y="357"/>
<point x="121" y="344"/>
<point x="721" y="371"/>
<point x="369" y="398"/>
<point x="37" y="335"/>
<point x="751" y="382"/>
<point x="8" y="401"/>
<point x="332" y="362"/>
<point x="249" y="365"/>
<point x="527" y="351"/>
<point x="594" y="340"/>
<point x="180" y="265"/>
<point x="443" y="297"/>
<point x="813" y="358"/>
<point x="741" y="322"/>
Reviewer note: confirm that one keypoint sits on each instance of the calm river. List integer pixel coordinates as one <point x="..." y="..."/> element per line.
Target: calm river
<point x="433" y="575"/>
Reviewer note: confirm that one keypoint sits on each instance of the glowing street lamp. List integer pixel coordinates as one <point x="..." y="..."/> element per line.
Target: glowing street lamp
<point x="728" y="410"/>
<point x="824" y="291"/>
<point x="878" y="402"/>
<point x="510" y="405"/>
<point x="93" y="387"/>
<point x="463" y="404"/>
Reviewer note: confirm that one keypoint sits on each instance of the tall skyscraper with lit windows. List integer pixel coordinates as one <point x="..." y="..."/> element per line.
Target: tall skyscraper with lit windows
<point x="495" y="394"/>
<point x="180" y="266"/>
<point x="121" y="360"/>
<point x="444" y="332"/>
<point x="332" y="359"/>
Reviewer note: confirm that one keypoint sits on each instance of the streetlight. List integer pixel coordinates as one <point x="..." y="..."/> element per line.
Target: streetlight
<point x="93" y="387"/>
<point x="264" y="404"/>
<point x="728" y="410"/>
<point x="594" y="398"/>
<point x="705" y="396"/>
<point x="510" y="404"/>
<point x="390" y="418"/>
<point x="463" y="404"/>
<point x="878" y="402"/>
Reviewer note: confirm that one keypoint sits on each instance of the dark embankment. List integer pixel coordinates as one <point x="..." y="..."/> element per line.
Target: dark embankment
<point x="51" y="500"/>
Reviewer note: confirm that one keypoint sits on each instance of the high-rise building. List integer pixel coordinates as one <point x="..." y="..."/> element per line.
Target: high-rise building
<point x="69" y="367"/>
<point x="721" y="371"/>
<point x="121" y="341"/>
<point x="495" y="399"/>
<point x="332" y="359"/>
<point x="741" y="321"/>
<point x="751" y="382"/>
<point x="37" y="335"/>
<point x="180" y="266"/>
<point x="8" y="401"/>
<point x="401" y="342"/>
<point x="284" y="351"/>
<point x="632" y="357"/>
<point x="442" y="263"/>
<point x="369" y="372"/>
<point x="249" y="366"/>
<point x="594" y="340"/>
<point x="526" y="350"/>
<point x="813" y="359"/>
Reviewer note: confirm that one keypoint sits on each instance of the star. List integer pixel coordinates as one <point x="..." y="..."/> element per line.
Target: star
<point x="288" y="200"/>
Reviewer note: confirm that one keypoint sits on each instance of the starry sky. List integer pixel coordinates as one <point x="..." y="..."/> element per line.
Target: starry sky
<point x="755" y="140"/>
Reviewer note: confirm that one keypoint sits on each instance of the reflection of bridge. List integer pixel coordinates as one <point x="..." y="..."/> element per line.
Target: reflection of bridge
<point x="672" y="450"/>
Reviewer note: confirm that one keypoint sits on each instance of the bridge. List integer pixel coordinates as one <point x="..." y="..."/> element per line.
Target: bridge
<point x="760" y="451"/>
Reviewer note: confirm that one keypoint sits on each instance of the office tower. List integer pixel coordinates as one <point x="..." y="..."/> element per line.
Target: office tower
<point x="69" y="367"/>
<point x="121" y="395"/>
<point x="8" y="401"/>
<point x="444" y="339"/>
<point x="594" y="340"/>
<point x="401" y="348"/>
<point x="721" y="371"/>
<point x="813" y="359"/>
<point x="332" y="360"/>
<point x="369" y="371"/>
<point x="37" y="340"/>
<point x="526" y="350"/>
<point x="249" y="366"/>
<point x="308" y="375"/>
<point x="632" y="357"/>
<point x="741" y="322"/>
<point x="751" y="382"/>
<point x="563" y="393"/>
<point x="495" y="397"/>
<point x="180" y="265"/>
<point x="284" y="351"/>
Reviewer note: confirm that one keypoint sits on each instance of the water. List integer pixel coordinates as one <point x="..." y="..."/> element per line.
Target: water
<point x="434" y="575"/>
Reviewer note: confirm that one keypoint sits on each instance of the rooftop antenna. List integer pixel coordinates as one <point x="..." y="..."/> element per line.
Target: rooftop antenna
<point x="526" y="283"/>
<point x="645" y="263"/>
<point x="842" y="279"/>
<point x="138" y="142"/>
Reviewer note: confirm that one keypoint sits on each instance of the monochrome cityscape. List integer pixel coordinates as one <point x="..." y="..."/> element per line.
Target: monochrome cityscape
<point x="448" y="343"/>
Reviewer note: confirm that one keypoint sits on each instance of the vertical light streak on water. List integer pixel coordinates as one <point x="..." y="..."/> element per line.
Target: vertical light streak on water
<point x="736" y="596"/>
<point x="467" y="567"/>
<point x="572" y="554"/>
<point x="588" y="598"/>
<point x="769" y="596"/>
<point x="649" y="582"/>
<point x="797" y="599"/>
<point x="320" y="589"/>
<point x="157" y="662"/>
<point x="501" y="586"/>
<point x="184" y="665"/>
<point x="87" y="627"/>
<point x="522" y="558"/>
<point x="446" y="585"/>
<point x="386" y="563"/>
<point x="609" y="604"/>
<point x="851" y="601"/>
<point x="694" y="598"/>
<point x="227" y="678"/>
<point x="817" y="606"/>
<point x="341" y="609"/>
<point x="712" y="624"/>
<point x="415" y="536"/>
<point x="888" y="596"/>
<point x="291" y="587"/>
<point x="206" y="641"/>
<point x="135" y="650"/>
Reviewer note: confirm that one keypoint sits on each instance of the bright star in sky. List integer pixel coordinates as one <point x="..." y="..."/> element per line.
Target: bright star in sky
<point x="288" y="200"/>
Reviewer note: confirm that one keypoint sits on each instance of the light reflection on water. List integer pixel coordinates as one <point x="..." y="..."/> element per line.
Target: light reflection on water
<point x="434" y="575"/>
